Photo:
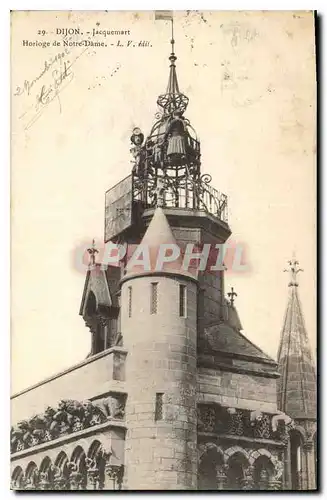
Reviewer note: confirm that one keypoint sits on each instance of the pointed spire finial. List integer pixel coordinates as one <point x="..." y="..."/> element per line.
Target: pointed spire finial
<point x="293" y="269"/>
<point x="173" y="99"/>
<point x="231" y="295"/>
<point x="92" y="251"/>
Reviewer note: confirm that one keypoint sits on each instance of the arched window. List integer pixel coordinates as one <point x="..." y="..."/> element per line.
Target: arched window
<point x="96" y="325"/>
<point x="91" y="305"/>
<point x="296" y="459"/>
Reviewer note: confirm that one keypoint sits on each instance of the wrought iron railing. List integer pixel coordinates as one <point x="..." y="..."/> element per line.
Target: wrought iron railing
<point x="183" y="192"/>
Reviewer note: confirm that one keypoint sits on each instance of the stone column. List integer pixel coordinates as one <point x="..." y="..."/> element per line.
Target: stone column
<point x="308" y="449"/>
<point x="93" y="475"/>
<point x="75" y="478"/>
<point x="247" y="483"/>
<point x="287" y="482"/>
<point x="263" y="480"/>
<point x="43" y="484"/>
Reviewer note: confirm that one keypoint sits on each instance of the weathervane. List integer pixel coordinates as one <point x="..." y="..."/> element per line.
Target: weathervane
<point x="232" y="294"/>
<point x="92" y="251"/>
<point x="293" y="270"/>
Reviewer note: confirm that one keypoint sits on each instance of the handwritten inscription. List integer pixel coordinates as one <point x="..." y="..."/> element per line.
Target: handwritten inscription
<point x="48" y="64"/>
<point x="56" y="73"/>
<point x="60" y="77"/>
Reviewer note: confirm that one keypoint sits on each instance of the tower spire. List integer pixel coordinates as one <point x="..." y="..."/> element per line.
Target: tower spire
<point x="173" y="99"/>
<point x="296" y="390"/>
<point x="172" y="87"/>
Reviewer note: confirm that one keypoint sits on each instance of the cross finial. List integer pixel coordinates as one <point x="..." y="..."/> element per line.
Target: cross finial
<point x="232" y="294"/>
<point x="92" y="251"/>
<point x="293" y="269"/>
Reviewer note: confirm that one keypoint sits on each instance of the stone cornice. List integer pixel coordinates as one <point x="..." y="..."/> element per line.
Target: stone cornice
<point x="232" y="437"/>
<point x="211" y="361"/>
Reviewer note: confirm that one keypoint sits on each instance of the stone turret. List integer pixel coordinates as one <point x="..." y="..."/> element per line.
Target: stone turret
<point x="159" y="320"/>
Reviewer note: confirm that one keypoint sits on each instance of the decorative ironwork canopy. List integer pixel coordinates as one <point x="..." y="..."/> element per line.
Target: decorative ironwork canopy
<point x="167" y="166"/>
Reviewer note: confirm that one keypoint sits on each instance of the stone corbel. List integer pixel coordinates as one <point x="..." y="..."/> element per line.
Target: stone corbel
<point x="75" y="477"/>
<point x="221" y="474"/>
<point x="43" y="483"/>
<point x="287" y="425"/>
<point x="93" y="474"/>
<point x="31" y="483"/>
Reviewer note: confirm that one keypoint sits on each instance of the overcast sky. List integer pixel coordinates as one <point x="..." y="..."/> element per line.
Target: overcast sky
<point x="250" y="78"/>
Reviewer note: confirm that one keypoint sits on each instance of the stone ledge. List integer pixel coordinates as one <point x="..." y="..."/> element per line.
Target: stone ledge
<point x="86" y="361"/>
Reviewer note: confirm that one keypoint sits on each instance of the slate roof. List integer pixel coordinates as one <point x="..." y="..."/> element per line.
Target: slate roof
<point x="104" y="283"/>
<point x="223" y="338"/>
<point x="296" y="389"/>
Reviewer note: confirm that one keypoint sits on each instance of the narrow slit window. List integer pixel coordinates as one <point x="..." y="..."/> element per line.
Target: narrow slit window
<point x="129" y="301"/>
<point x="154" y="298"/>
<point x="159" y="406"/>
<point x="182" y="301"/>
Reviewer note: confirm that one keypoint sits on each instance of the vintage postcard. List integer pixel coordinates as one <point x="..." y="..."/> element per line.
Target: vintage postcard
<point x="163" y="214"/>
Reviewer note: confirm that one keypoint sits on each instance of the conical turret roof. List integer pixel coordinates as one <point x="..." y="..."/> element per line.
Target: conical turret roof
<point x="296" y="390"/>
<point x="157" y="242"/>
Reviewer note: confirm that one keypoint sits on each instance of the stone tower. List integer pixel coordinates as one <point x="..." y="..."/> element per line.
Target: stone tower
<point x="296" y="390"/>
<point x="159" y="324"/>
<point x="166" y="200"/>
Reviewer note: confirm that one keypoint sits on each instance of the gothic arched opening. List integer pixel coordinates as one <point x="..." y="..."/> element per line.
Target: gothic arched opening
<point x="61" y="471"/>
<point x="96" y="463"/>
<point x="237" y="464"/>
<point x="296" y="459"/>
<point x="31" y="476"/>
<point x="91" y="305"/>
<point x="211" y="460"/>
<point x="77" y="467"/>
<point x="263" y="472"/>
<point x="17" y="478"/>
<point x="93" y="321"/>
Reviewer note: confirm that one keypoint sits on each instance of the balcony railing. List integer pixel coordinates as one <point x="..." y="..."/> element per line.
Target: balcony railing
<point x="185" y="192"/>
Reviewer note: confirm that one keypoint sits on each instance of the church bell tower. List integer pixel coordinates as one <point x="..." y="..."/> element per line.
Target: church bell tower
<point x="165" y="200"/>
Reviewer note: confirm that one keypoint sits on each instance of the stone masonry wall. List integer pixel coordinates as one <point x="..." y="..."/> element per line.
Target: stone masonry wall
<point x="93" y="377"/>
<point x="239" y="390"/>
<point x="160" y="452"/>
